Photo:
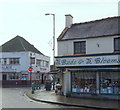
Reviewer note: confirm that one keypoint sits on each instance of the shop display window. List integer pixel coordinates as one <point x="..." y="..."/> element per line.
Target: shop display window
<point x="83" y="82"/>
<point x="109" y="83"/>
<point x="14" y="76"/>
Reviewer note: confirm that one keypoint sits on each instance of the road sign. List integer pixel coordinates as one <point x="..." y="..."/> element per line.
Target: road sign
<point x="30" y="69"/>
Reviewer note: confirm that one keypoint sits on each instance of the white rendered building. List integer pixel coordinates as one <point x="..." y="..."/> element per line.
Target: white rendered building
<point x="89" y="58"/>
<point x="17" y="56"/>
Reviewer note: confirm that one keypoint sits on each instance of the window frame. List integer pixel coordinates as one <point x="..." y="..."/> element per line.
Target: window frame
<point x="14" y="61"/>
<point x="118" y="48"/>
<point x="82" y="47"/>
<point x="32" y="60"/>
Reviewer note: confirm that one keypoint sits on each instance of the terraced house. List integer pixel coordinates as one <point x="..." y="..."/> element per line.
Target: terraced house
<point x="21" y="63"/>
<point x="89" y="58"/>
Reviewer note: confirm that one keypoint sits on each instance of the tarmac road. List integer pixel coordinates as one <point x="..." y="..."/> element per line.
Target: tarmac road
<point x="15" y="99"/>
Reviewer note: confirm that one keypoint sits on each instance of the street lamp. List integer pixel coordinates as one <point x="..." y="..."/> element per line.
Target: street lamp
<point x="53" y="35"/>
<point x="30" y="68"/>
<point x="53" y="43"/>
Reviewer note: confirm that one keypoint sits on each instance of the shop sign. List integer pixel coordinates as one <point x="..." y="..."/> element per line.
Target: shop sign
<point x="7" y="67"/>
<point x="43" y="69"/>
<point x="88" y="61"/>
<point x="24" y="72"/>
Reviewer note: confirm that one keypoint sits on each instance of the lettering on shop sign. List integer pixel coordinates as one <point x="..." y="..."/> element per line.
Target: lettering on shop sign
<point x="43" y="69"/>
<point x="104" y="60"/>
<point x="8" y="67"/>
<point x="84" y="61"/>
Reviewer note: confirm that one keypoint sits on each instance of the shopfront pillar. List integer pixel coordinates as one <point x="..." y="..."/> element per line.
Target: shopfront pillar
<point x="97" y="82"/>
<point x="67" y="82"/>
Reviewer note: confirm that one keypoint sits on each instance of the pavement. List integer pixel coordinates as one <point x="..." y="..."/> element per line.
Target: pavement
<point x="51" y="97"/>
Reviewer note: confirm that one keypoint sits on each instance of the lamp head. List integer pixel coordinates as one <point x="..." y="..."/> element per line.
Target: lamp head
<point x="47" y="14"/>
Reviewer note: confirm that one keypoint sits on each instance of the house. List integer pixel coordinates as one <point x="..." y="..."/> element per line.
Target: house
<point x="89" y="58"/>
<point x="21" y="63"/>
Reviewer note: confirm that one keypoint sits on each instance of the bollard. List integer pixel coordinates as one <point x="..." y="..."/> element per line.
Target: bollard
<point x="38" y="85"/>
<point x="33" y="88"/>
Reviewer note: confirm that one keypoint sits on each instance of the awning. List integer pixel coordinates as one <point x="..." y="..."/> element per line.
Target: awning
<point x="113" y="69"/>
<point x="54" y="72"/>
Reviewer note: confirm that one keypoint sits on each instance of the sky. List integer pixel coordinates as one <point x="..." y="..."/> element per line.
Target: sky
<point x="27" y="19"/>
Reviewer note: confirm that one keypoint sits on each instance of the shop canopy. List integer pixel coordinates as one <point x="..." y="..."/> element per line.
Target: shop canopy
<point x="101" y="69"/>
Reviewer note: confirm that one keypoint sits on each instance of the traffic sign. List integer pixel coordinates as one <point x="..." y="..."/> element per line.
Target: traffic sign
<point x="30" y="69"/>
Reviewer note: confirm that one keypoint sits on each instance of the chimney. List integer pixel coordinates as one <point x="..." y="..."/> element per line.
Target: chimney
<point x="69" y="20"/>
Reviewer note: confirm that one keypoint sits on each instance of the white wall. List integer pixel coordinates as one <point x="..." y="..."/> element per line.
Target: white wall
<point x="23" y="66"/>
<point x="65" y="48"/>
<point x="106" y="45"/>
<point x="41" y="68"/>
<point x="100" y="45"/>
<point x="25" y="61"/>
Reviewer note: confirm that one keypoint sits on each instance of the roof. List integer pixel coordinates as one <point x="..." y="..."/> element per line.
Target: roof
<point x="18" y="44"/>
<point x="97" y="28"/>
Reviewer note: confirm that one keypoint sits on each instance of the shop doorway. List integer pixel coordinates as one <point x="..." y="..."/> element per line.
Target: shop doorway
<point x="4" y="77"/>
<point x="42" y="79"/>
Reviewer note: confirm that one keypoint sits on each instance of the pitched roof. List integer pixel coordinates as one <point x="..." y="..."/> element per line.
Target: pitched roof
<point x="98" y="28"/>
<point x="18" y="44"/>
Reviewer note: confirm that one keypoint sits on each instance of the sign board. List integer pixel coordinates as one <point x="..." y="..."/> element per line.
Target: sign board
<point x="30" y="69"/>
<point x="88" y="61"/>
<point x="24" y="72"/>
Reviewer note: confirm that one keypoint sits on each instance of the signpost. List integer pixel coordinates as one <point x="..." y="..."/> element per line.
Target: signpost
<point x="30" y="70"/>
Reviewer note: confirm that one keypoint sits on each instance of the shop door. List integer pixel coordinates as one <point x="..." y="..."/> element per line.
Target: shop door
<point x="4" y="77"/>
<point x="42" y="79"/>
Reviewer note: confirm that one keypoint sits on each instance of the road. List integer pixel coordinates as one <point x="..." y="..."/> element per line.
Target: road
<point x="16" y="98"/>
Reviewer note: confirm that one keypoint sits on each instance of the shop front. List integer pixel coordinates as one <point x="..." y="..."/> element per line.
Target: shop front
<point x="104" y="83"/>
<point x="94" y="75"/>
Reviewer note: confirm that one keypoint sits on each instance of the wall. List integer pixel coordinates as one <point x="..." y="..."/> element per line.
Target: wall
<point x="100" y="45"/>
<point x="41" y="68"/>
<point x="106" y="45"/>
<point x="66" y="82"/>
<point x="25" y="61"/>
<point x="65" y="48"/>
<point x="23" y="66"/>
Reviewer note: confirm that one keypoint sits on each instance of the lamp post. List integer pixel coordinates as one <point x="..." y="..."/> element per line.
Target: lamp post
<point x="30" y="68"/>
<point x="53" y="44"/>
<point x="53" y="35"/>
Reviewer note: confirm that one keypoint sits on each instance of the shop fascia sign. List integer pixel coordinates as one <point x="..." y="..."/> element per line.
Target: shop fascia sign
<point x="88" y="61"/>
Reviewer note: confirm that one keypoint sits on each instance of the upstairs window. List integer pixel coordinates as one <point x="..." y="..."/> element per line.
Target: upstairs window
<point x="80" y="47"/>
<point x="38" y="62"/>
<point x="117" y="44"/>
<point x="5" y="61"/>
<point x="47" y="64"/>
<point x="14" y="61"/>
<point x="32" y="60"/>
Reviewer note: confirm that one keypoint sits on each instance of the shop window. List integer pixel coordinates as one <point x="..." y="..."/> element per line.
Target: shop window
<point x="83" y="82"/>
<point x="0" y="61"/>
<point x="117" y="44"/>
<point x="80" y="47"/>
<point x="109" y="83"/>
<point x="24" y="77"/>
<point x="14" y="76"/>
